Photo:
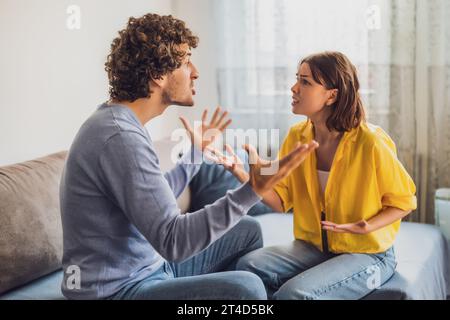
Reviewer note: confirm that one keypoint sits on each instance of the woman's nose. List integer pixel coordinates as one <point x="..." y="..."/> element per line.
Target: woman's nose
<point x="294" y="88"/>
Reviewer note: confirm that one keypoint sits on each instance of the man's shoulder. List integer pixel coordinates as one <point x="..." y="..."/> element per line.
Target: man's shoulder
<point x="107" y="125"/>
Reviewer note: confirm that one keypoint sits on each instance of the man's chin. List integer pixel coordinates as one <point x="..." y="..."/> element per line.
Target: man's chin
<point x="189" y="103"/>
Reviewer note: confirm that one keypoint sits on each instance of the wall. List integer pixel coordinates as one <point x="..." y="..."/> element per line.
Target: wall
<point x="198" y="15"/>
<point x="52" y="78"/>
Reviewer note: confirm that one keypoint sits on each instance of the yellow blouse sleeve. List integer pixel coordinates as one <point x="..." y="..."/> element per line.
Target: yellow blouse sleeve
<point x="394" y="183"/>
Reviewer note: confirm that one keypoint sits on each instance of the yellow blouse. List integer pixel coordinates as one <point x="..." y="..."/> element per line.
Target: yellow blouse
<point x="365" y="177"/>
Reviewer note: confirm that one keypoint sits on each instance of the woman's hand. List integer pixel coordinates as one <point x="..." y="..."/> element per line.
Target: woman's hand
<point x="360" y="227"/>
<point x="206" y="133"/>
<point x="383" y="218"/>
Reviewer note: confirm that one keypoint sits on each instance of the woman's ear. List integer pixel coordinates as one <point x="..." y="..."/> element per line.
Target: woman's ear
<point x="332" y="97"/>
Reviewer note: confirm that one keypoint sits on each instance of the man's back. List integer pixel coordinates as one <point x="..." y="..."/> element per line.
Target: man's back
<point x="98" y="236"/>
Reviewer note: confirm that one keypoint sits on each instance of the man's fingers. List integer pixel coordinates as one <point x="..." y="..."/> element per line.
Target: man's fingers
<point x="290" y="159"/>
<point x="296" y="156"/>
<point x="294" y="159"/>
<point x="252" y="154"/>
<point x="225" y="125"/>
<point x="204" y="115"/>
<point x="222" y="117"/>
<point x="214" y="118"/>
<point x="230" y="150"/>
<point x="186" y="125"/>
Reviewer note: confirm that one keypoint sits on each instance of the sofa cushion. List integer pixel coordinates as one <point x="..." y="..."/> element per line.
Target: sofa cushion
<point x="30" y="223"/>
<point x="45" y="288"/>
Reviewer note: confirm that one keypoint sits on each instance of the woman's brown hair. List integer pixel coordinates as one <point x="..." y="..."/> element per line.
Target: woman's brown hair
<point x="334" y="70"/>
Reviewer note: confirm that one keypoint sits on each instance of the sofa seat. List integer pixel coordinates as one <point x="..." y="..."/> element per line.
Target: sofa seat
<point x="422" y="271"/>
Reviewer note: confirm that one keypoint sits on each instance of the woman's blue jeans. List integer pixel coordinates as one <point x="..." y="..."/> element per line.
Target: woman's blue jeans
<point x="300" y="271"/>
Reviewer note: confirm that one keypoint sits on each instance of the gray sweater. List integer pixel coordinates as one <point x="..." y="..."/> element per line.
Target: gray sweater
<point x="119" y="212"/>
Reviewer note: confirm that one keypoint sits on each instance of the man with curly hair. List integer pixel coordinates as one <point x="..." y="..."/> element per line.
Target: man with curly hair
<point x="122" y="228"/>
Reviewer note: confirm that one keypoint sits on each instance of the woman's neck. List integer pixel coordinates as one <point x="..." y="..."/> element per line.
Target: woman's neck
<point x="322" y="134"/>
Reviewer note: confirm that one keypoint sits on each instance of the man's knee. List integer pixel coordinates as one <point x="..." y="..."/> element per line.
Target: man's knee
<point x="249" y="285"/>
<point x="252" y="228"/>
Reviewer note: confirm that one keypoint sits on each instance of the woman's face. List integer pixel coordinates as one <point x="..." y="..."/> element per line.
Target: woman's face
<point x="308" y="96"/>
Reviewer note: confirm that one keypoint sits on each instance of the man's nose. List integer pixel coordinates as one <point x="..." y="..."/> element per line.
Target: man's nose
<point x="194" y="72"/>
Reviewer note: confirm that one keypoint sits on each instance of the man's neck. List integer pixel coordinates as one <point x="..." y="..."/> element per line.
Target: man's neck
<point x="145" y="109"/>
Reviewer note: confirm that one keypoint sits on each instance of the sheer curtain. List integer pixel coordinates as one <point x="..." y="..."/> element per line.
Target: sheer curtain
<point x="400" y="48"/>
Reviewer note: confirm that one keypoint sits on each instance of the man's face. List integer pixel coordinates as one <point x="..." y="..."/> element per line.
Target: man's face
<point x="179" y="89"/>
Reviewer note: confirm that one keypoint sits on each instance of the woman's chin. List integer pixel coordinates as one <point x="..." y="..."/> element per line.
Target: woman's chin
<point x="295" y="110"/>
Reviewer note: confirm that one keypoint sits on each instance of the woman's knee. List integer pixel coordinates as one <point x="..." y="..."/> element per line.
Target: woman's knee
<point x="249" y="262"/>
<point x="293" y="292"/>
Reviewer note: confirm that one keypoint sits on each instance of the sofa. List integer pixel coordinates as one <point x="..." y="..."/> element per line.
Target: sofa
<point x="31" y="233"/>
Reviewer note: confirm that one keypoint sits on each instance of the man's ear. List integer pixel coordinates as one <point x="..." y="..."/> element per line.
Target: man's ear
<point x="158" y="82"/>
<point x="333" y="93"/>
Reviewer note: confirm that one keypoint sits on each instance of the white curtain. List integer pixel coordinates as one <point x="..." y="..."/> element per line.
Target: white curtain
<point x="400" y="48"/>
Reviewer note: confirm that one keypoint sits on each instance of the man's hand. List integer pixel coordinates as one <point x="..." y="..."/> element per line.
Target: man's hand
<point x="205" y="134"/>
<point x="262" y="183"/>
<point x="230" y="162"/>
<point x="360" y="227"/>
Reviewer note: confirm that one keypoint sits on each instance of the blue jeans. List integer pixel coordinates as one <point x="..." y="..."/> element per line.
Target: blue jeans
<point x="301" y="271"/>
<point x="206" y="275"/>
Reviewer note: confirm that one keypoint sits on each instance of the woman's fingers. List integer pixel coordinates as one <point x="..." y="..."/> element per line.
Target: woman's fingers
<point x="334" y="229"/>
<point x="328" y="223"/>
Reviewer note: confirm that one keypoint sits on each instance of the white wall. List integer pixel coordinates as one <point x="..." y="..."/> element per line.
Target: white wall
<point x="198" y="15"/>
<point x="52" y="78"/>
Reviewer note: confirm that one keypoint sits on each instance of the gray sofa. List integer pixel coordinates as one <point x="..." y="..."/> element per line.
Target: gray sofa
<point x="31" y="237"/>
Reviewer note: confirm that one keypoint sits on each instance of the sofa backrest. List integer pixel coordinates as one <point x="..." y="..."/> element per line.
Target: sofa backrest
<point x="30" y="221"/>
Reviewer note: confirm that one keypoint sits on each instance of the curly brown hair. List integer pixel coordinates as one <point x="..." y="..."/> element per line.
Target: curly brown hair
<point x="148" y="48"/>
<point x="334" y="70"/>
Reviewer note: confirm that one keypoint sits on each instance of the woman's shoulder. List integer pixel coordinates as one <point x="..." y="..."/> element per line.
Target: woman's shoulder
<point x="301" y="128"/>
<point x="373" y="136"/>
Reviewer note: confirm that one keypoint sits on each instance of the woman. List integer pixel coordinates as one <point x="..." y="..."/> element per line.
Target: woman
<point x="348" y="197"/>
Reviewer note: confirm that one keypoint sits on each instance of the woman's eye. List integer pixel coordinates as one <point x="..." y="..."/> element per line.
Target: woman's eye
<point x="304" y="82"/>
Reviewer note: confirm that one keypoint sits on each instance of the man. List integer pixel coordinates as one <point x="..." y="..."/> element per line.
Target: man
<point x="122" y="228"/>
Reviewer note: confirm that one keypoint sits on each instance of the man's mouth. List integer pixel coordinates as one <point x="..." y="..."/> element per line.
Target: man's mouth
<point x="193" y="91"/>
